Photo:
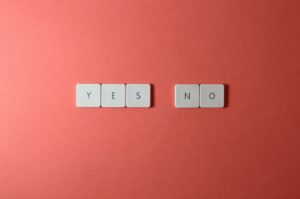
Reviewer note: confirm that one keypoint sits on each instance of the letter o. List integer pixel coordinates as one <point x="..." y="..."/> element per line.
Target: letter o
<point x="212" y="95"/>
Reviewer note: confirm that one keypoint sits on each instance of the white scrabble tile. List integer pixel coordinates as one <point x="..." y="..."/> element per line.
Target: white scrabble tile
<point x="211" y="95"/>
<point x="113" y="95"/>
<point x="88" y="95"/>
<point x="187" y="95"/>
<point x="138" y="95"/>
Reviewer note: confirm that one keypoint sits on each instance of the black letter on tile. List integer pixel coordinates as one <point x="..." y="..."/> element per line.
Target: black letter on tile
<point x="88" y="94"/>
<point x="138" y="95"/>
<point x="113" y="95"/>
<point x="212" y="95"/>
<point x="187" y="96"/>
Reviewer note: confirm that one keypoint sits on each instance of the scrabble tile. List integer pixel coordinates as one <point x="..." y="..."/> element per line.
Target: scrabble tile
<point x="187" y="95"/>
<point x="113" y="95"/>
<point x="88" y="95"/>
<point x="211" y="95"/>
<point x="138" y="95"/>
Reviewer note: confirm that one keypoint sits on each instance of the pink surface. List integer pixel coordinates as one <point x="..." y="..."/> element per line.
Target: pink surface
<point x="51" y="149"/>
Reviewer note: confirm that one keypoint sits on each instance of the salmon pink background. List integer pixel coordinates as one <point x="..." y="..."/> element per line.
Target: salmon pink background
<point x="51" y="149"/>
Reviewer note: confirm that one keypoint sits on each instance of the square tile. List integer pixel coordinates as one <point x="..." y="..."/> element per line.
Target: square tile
<point x="212" y="95"/>
<point x="88" y="95"/>
<point x="187" y="95"/>
<point x="113" y="95"/>
<point x="138" y="95"/>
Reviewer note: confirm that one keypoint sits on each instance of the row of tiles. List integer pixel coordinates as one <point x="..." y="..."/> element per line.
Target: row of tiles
<point x="139" y="95"/>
